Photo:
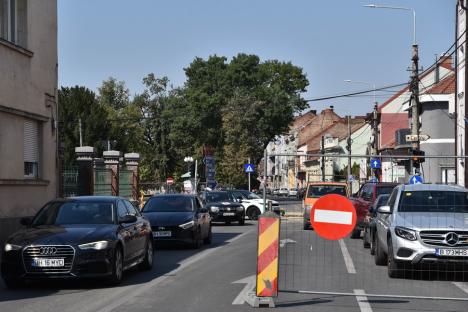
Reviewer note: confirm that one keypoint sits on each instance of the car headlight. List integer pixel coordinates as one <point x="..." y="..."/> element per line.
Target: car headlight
<point x="240" y="208"/>
<point x="9" y="247"/>
<point x="95" y="245"/>
<point x="406" y="233"/>
<point x="214" y="209"/>
<point x="187" y="225"/>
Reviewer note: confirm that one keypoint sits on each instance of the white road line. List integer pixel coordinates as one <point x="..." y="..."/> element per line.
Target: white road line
<point x="347" y="257"/>
<point x="362" y="300"/>
<point x="131" y="291"/>
<point x="250" y="286"/>
<point x="462" y="286"/>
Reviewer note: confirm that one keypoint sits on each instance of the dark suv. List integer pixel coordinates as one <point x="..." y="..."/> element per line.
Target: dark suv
<point x="223" y="207"/>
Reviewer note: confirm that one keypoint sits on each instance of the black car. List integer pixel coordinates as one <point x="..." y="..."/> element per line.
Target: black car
<point x="90" y="236"/>
<point x="223" y="207"/>
<point x="178" y="217"/>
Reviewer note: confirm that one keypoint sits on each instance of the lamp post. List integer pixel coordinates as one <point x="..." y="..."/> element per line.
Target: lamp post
<point x="414" y="86"/>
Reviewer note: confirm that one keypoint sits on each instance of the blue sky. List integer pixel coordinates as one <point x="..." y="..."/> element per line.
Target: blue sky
<point x="332" y="40"/>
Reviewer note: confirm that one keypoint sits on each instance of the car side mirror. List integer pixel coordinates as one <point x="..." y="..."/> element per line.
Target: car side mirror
<point x="128" y="219"/>
<point x="203" y="210"/>
<point x="26" y="221"/>
<point x="239" y="199"/>
<point x="384" y="210"/>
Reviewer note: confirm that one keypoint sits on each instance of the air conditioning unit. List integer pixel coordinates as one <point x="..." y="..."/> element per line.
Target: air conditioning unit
<point x="400" y="138"/>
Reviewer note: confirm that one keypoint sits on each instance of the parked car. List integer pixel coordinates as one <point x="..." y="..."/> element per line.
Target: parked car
<point x="275" y="192"/>
<point x="223" y="207"/>
<point x="283" y="192"/>
<point x="368" y="239"/>
<point x="423" y="224"/>
<point x="180" y="218"/>
<point x="90" y="236"/>
<point x="363" y="200"/>
<point x="315" y="190"/>
<point x="253" y="203"/>
<point x="292" y="192"/>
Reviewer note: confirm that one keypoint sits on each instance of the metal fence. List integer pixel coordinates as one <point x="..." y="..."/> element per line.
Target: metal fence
<point x="69" y="182"/>
<point x="103" y="182"/>
<point x="126" y="184"/>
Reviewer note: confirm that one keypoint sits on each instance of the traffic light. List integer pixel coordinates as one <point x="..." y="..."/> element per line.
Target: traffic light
<point x="417" y="158"/>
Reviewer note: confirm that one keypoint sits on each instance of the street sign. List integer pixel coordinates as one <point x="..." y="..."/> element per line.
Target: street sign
<point x="169" y="181"/>
<point x="414" y="138"/>
<point x="416" y="180"/>
<point x="333" y="217"/>
<point x="249" y="168"/>
<point x="375" y="163"/>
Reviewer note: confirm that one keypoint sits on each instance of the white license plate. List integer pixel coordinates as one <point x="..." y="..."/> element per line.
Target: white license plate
<point x="162" y="234"/>
<point x="452" y="252"/>
<point x="227" y="214"/>
<point x="48" y="263"/>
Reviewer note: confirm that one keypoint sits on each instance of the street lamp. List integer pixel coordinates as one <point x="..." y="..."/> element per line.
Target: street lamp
<point x="366" y="83"/>
<point x="378" y="6"/>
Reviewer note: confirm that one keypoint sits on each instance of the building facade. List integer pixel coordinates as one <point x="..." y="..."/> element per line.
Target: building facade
<point x="28" y="109"/>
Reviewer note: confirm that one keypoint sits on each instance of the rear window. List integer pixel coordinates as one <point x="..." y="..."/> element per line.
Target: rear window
<point x="434" y="201"/>
<point x="316" y="191"/>
<point x="169" y="204"/>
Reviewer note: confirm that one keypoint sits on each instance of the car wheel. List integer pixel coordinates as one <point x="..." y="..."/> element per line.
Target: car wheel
<point x="356" y="233"/>
<point x="379" y="256"/>
<point x="197" y="240"/>
<point x="209" y="238"/>
<point x="395" y="267"/>
<point x="242" y="221"/>
<point x="13" y="283"/>
<point x="253" y="213"/>
<point x="147" y="263"/>
<point x="372" y="244"/>
<point x="365" y="241"/>
<point x="117" y="267"/>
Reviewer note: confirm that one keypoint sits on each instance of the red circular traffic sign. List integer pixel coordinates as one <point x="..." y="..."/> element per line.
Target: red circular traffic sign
<point x="333" y="217"/>
<point x="169" y="181"/>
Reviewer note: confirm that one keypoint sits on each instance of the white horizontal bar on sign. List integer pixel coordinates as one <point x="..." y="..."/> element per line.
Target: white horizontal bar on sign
<point x="438" y="141"/>
<point x="333" y="216"/>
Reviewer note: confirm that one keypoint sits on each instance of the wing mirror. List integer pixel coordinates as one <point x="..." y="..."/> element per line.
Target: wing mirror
<point x="384" y="210"/>
<point x="128" y="219"/>
<point x="239" y="199"/>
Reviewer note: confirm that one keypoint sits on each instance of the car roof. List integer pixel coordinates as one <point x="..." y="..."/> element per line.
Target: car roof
<point x="327" y="183"/>
<point x="95" y="198"/>
<point x="433" y="187"/>
<point x="174" y="195"/>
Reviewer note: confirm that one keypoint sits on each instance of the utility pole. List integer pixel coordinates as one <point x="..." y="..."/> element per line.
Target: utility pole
<point x="375" y="133"/>
<point x="249" y="175"/>
<point x="348" y="147"/>
<point x="81" y="133"/>
<point x="322" y="151"/>
<point x="196" y="175"/>
<point x="415" y="102"/>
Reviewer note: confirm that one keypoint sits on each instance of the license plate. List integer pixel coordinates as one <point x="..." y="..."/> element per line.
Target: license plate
<point x="48" y="263"/>
<point x="229" y="214"/>
<point x="162" y="234"/>
<point x="452" y="252"/>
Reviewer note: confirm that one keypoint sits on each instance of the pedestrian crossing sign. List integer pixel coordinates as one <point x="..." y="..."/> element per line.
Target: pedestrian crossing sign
<point x="249" y="168"/>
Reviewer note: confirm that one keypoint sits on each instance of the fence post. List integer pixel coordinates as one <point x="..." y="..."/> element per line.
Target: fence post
<point x="85" y="169"/>
<point x="132" y="163"/>
<point x="112" y="160"/>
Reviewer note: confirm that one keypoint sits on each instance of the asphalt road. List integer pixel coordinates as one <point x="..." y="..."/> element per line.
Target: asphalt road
<point x="213" y="279"/>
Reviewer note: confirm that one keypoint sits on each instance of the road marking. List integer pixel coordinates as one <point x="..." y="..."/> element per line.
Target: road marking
<point x="362" y="300"/>
<point x="347" y="257"/>
<point x="462" y="286"/>
<point x="130" y="292"/>
<point x="310" y="247"/>
<point x="250" y="286"/>
<point x="286" y="241"/>
<point x="333" y="216"/>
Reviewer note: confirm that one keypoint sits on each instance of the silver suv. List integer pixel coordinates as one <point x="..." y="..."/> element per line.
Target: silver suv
<point x="423" y="223"/>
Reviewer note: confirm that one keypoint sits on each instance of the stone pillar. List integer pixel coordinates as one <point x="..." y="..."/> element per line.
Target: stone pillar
<point x="111" y="160"/>
<point x="85" y="170"/>
<point x="132" y="163"/>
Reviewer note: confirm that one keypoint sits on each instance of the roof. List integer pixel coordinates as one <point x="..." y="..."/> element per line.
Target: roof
<point x="445" y="86"/>
<point x="97" y="198"/>
<point x="434" y="187"/>
<point x="316" y="125"/>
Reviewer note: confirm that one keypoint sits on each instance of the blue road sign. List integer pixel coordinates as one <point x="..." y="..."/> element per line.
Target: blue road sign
<point x="416" y="180"/>
<point x="249" y="168"/>
<point x="375" y="163"/>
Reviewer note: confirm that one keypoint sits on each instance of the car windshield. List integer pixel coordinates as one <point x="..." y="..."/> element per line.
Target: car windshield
<point x="434" y="201"/>
<point x="174" y="203"/>
<point x="316" y="191"/>
<point x="253" y="196"/>
<point x="61" y="213"/>
<point x="384" y="190"/>
<point x="217" y="197"/>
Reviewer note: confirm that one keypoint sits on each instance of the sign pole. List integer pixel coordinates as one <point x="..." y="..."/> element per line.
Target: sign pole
<point x="196" y="175"/>
<point x="249" y="176"/>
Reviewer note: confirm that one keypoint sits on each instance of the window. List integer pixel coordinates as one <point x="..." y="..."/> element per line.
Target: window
<point x="121" y="209"/>
<point x="31" y="149"/>
<point x="131" y="209"/>
<point x="13" y="21"/>
<point x="448" y="175"/>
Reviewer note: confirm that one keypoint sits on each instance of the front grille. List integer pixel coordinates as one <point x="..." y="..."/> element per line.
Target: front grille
<point x="439" y="238"/>
<point x="32" y="252"/>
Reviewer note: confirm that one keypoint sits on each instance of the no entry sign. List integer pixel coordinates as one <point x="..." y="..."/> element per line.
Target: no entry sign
<point x="333" y="217"/>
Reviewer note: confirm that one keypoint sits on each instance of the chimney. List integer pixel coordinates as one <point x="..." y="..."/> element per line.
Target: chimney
<point x="332" y="107"/>
<point x="437" y="71"/>
<point x="446" y="61"/>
